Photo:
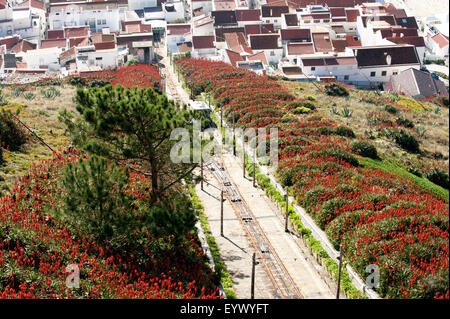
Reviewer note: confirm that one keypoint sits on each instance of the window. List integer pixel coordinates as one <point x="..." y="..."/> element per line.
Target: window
<point x="99" y="21"/>
<point x="383" y="73"/>
<point x="326" y="21"/>
<point x="316" y="21"/>
<point x="313" y="68"/>
<point x="103" y="21"/>
<point x="272" y="53"/>
<point x="98" y="58"/>
<point x="372" y="74"/>
<point x="394" y="73"/>
<point x="346" y="77"/>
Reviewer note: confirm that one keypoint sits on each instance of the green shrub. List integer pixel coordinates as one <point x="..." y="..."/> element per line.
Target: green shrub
<point x="405" y="122"/>
<point x="438" y="177"/>
<point x="391" y="109"/>
<point x="345" y="131"/>
<point x="12" y="136"/>
<point x="406" y="141"/>
<point x="365" y="149"/>
<point x="334" y="89"/>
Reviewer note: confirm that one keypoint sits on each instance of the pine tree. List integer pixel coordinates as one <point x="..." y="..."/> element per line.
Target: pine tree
<point x="131" y="125"/>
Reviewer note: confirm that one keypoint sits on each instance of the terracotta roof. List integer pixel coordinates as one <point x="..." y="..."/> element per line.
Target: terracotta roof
<point x="441" y="40"/>
<point x="10" y="41"/>
<point x="55" y="34"/>
<point x="203" y="21"/>
<point x="375" y="56"/>
<point x="221" y="31"/>
<point x="398" y="13"/>
<point x="322" y="42"/>
<point x="329" y="61"/>
<point x="104" y="45"/>
<point x="352" y="14"/>
<point x="203" y="42"/>
<point x="331" y="3"/>
<point x="23" y="46"/>
<point x="351" y="42"/>
<point x="76" y="32"/>
<point x="53" y="43"/>
<point x="234" y="57"/>
<point x="21" y="65"/>
<point x="298" y="34"/>
<point x="414" y="40"/>
<point x="259" y="28"/>
<point x="100" y="37"/>
<point x="300" y="48"/>
<point x="339" y="45"/>
<point x="261" y="56"/>
<point x="34" y="4"/>
<point x="198" y="12"/>
<point x="346" y="60"/>
<point x="78" y="42"/>
<point x="237" y="43"/>
<point x="337" y="12"/>
<point x="184" y="47"/>
<point x="248" y="15"/>
<point x="338" y="28"/>
<point x="291" y="20"/>
<point x="264" y="41"/>
<point x="178" y="29"/>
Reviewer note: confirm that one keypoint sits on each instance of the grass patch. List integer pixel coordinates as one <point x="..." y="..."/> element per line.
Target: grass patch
<point x="421" y="181"/>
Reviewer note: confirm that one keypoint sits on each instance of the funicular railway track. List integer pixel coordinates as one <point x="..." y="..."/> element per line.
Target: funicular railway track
<point x="277" y="272"/>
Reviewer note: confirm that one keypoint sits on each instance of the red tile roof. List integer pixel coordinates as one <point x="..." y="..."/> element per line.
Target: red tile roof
<point x="248" y="15"/>
<point x="352" y="14"/>
<point x="53" y="43"/>
<point x="352" y="42"/>
<point x="234" y="57"/>
<point x="414" y="40"/>
<point x="237" y="43"/>
<point x="296" y="34"/>
<point x="178" y="29"/>
<point x="258" y="29"/>
<point x="104" y="45"/>
<point x="397" y="32"/>
<point x="78" y="42"/>
<point x="339" y="45"/>
<point x="337" y="12"/>
<point x="9" y="41"/>
<point x="76" y="32"/>
<point x="300" y="48"/>
<point x="261" y="56"/>
<point x="273" y="11"/>
<point x="55" y="34"/>
<point x="322" y="42"/>
<point x="23" y="46"/>
<point x="184" y="47"/>
<point x="264" y="41"/>
<point x="34" y="4"/>
<point x="291" y="20"/>
<point x="441" y="40"/>
<point x="203" y="42"/>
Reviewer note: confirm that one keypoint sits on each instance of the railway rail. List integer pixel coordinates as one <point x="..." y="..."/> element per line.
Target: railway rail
<point x="277" y="272"/>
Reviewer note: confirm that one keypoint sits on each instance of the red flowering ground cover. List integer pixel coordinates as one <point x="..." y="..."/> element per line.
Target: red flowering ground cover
<point x="36" y="246"/>
<point x="377" y="217"/>
<point x="141" y="75"/>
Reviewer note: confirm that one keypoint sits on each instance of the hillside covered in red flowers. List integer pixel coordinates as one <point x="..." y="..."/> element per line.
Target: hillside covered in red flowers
<point x="377" y="217"/>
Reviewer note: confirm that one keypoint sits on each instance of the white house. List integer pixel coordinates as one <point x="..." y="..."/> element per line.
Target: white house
<point x="377" y="64"/>
<point x="270" y="44"/>
<point x="203" y="46"/>
<point x="20" y="20"/>
<point x="97" y="15"/>
<point x="177" y="33"/>
<point x="42" y="58"/>
<point x="203" y="26"/>
<point x="173" y="10"/>
<point x="103" y="57"/>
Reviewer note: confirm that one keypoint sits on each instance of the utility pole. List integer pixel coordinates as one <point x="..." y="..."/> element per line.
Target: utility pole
<point x="243" y="156"/>
<point x="339" y="273"/>
<point x="221" y="116"/>
<point x="287" y="210"/>
<point x="254" y="168"/>
<point x="234" y="139"/>
<point x="221" y="213"/>
<point x="201" y="171"/>
<point x="254" y="263"/>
